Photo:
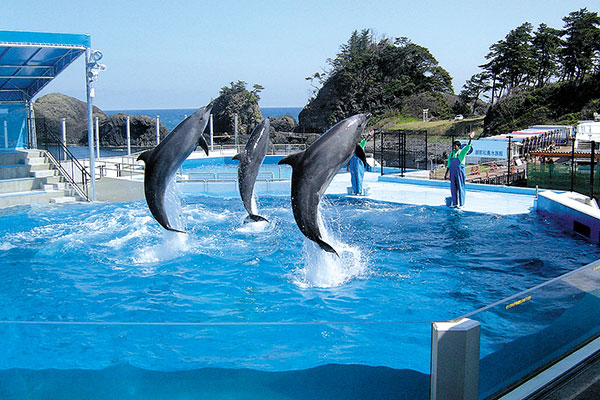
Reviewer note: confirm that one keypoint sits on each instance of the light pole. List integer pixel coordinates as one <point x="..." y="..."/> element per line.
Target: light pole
<point x="92" y="67"/>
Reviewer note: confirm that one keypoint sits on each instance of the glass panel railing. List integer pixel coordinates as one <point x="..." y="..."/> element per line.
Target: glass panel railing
<point x="526" y="333"/>
<point x="324" y="360"/>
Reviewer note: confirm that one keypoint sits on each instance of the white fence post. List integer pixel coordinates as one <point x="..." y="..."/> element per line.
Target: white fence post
<point x="235" y="131"/>
<point x="211" y="133"/>
<point x="97" y="139"/>
<point x="455" y="360"/>
<point x="128" y="130"/>
<point x="157" y="130"/>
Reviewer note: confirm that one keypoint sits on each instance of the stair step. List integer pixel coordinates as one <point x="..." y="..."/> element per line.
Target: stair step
<point x="37" y="160"/>
<point x="11" y="158"/>
<point x="18" y="185"/>
<point x="64" y="199"/>
<point x="39" y="167"/>
<point x="14" y="171"/>
<point x="26" y="177"/>
<point x="43" y="173"/>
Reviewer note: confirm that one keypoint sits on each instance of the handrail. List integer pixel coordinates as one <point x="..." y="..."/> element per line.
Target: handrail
<point x="81" y="188"/>
<point x="69" y="178"/>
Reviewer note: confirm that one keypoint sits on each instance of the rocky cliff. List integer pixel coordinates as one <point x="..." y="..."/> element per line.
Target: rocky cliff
<point x="51" y="108"/>
<point x="113" y="130"/>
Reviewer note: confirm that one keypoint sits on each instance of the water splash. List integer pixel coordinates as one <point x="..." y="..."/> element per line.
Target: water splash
<point x="173" y="245"/>
<point x="254" y="227"/>
<point x="325" y="270"/>
<point x="173" y="206"/>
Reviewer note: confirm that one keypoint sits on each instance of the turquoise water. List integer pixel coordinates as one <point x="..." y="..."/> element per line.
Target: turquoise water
<point x="226" y="168"/>
<point x="106" y="292"/>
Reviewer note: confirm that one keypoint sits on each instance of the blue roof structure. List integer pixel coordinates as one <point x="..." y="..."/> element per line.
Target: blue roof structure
<point x="30" y="60"/>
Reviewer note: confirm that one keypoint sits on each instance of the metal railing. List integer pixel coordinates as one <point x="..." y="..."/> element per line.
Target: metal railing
<point x="265" y="176"/>
<point x="67" y="164"/>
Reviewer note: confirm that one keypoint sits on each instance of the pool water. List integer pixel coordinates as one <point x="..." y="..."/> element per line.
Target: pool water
<point x="225" y="168"/>
<point x="117" y="290"/>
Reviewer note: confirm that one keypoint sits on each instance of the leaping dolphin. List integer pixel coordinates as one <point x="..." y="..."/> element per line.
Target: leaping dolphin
<point x="164" y="160"/>
<point x="251" y="159"/>
<point x="314" y="168"/>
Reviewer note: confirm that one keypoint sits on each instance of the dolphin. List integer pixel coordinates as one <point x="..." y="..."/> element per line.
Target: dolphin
<point x="162" y="162"/>
<point x="250" y="160"/>
<point x="314" y="168"/>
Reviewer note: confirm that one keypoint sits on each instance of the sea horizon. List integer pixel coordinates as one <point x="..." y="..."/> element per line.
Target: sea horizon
<point x="170" y="117"/>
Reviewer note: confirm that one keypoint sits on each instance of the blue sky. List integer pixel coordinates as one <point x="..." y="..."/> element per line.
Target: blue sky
<point x="178" y="54"/>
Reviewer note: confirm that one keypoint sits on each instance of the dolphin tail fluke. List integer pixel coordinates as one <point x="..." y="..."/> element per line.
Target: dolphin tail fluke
<point x="254" y="218"/>
<point x="325" y="246"/>
<point x="174" y="230"/>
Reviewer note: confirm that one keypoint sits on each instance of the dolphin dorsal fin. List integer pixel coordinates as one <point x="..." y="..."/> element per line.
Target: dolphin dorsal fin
<point x="292" y="159"/>
<point x="238" y="157"/>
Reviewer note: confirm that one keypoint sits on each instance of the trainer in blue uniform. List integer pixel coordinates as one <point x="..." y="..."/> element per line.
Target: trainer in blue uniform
<point x="357" y="165"/>
<point x="456" y="167"/>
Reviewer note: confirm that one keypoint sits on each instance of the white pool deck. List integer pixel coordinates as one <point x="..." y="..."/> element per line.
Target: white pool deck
<point x="415" y="188"/>
<point x="479" y="198"/>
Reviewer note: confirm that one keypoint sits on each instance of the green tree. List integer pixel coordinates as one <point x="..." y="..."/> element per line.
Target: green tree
<point x="581" y="44"/>
<point x="474" y="88"/>
<point x="546" y="46"/>
<point x="236" y="99"/>
<point x="371" y="76"/>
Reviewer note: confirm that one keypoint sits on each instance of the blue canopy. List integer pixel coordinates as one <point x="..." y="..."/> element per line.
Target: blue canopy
<point x="30" y="60"/>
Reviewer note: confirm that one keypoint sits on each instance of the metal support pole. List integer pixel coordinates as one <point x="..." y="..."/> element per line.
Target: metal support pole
<point x="572" y="163"/>
<point x="455" y="360"/>
<point x="64" y="137"/>
<point x="381" y="165"/>
<point x="509" y="157"/>
<point x="426" y="149"/>
<point x="157" y="130"/>
<point x="399" y="149"/>
<point x="211" y="132"/>
<point x="31" y="126"/>
<point x="235" y="130"/>
<point x="97" y="139"/>
<point x="6" y="134"/>
<point x="90" y="96"/>
<point x="128" y="132"/>
<point x="592" y="166"/>
<point x="403" y="153"/>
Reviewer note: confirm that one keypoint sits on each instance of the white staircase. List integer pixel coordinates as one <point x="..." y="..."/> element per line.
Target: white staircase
<point x="27" y="177"/>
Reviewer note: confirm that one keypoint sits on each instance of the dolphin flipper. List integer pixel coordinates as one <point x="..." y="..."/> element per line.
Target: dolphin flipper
<point x="203" y="145"/>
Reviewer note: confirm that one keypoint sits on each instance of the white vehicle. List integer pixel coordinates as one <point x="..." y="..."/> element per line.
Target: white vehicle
<point x="459" y="117"/>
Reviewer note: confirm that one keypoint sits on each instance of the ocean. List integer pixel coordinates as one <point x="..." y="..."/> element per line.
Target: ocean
<point x="171" y="117"/>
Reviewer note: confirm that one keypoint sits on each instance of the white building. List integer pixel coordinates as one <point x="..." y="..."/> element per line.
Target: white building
<point x="587" y="132"/>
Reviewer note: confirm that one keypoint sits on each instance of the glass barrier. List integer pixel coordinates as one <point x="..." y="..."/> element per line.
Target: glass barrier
<point x="320" y="360"/>
<point x="526" y="333"/>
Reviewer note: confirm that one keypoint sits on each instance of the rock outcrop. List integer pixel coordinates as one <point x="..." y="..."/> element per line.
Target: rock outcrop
<point x="52" y="108"/>
<point x="286" y="123"/>
<point x="113" y="130"/>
